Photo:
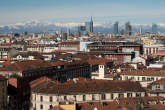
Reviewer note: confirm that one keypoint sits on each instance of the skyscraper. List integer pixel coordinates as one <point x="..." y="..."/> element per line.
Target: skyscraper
<point x="140" y="30"/>
<point x="116" y="28"/>
<point x="154" y="28"/>
<point x="89" y="26"/>
<point x="128" y="29"/>
<point x="68" y="31"/>
<point x="82" y="30"/>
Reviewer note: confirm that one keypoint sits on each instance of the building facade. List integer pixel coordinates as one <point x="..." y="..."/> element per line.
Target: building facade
<point x="44" y="97"/>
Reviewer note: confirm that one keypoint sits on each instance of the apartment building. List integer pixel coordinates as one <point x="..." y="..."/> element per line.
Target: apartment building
<point x="46" y="93"/>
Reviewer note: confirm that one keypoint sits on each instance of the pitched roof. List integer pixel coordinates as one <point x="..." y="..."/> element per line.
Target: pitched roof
<point x="157" y="107"/>
<point x="161" y="82"/>
<point x="82" y="85"/>
<point x="25" y="65"/>
<point x="145" y="72"/>
<point x="122" y="104"/>
<point x="13" y="82"/>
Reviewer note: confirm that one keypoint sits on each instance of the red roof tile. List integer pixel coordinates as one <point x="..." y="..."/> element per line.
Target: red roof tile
<point x="84" y="86"/>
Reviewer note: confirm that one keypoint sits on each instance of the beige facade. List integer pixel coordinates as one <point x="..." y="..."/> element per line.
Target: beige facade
<point x="141" y="78"/>
<point x="46" y="101"/>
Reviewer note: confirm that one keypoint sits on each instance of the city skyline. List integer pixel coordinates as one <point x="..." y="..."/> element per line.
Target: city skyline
<point x="138" y="11"/>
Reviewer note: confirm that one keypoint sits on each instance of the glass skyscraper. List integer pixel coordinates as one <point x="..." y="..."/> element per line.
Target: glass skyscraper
<point x="116" y="28"/>
<point x="154" y="28"/>
<point x="128" y="29"/>
<point x="89" y="26"/>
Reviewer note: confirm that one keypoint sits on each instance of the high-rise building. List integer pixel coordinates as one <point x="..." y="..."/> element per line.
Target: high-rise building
<point x="128" y="29"/>
<point x="64" y="36"/>
<point x="89" y="26"/>
<point x="68" y="31"/>
<point x="116" y="28"/>
<point x="82" y="30"/>
<point x="154" y="28"/>
<point x="140" y="30"/>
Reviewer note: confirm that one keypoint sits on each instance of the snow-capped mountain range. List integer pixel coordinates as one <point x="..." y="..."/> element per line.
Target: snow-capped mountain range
<point x="36" y="26"/>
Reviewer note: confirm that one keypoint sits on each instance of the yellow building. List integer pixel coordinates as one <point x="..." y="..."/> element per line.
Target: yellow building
<point x="147" y="41"/>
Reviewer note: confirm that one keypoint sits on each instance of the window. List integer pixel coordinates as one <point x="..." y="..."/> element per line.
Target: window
<point x="84" y="97"/>
<point x="129" y="94"/>
<point x="138" y="94"/>
<point x="111" y="96"/>
<point x="127" y="103"/>
<point x="74" y="97"/>
<point x="157" y="86"/>
<point x="93" y="97"/>
<point x="148" y="79"/>
<point x="103" y="97"/>
<point x="51" y="99"/>
<point x="163" y="102"/>
<point x="65" y="98"/>
<point x="41" y="98"/>
<point x="126" y="77"/>
<point x="152" y="78"/>
<point x="121" y="95"/>
<point x="143" y="78"/>
<point x="138" y="78"/>
<point x="50" y="106"/>
<point x="41" y="106"/>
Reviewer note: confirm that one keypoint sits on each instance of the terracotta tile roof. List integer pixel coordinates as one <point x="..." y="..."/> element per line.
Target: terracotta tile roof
<point x="58" y="63"/>
<point x="109" y="76"/>
<point x="161" y="82"/>
<point x="145" y="72"/>
<point x="98" y="61"/>
<point x="82" y="85"/>
<point x="84" y="56"/>
<point x="62" y="51"/>
<point x="56" y="108"/>
<point x="13" y="82"/>
<point x="27" y="54"/>
<point x="122" y="104"/>
<point x="25" y="65"/>
<point x="6" y="44"/>
<point x="152" y="98"/>
<point x="157" y="107"/>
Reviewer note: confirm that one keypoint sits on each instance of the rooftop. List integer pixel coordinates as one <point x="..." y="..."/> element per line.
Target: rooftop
<point x="145" y="72"/>
<point x="81" y="85"/>
<point x="114" y="44"/>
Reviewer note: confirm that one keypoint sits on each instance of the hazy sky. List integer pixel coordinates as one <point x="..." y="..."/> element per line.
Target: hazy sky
<point x="136" y="11"/>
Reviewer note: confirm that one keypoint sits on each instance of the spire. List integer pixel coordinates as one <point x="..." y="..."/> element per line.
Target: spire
<point x="91" y="19"/>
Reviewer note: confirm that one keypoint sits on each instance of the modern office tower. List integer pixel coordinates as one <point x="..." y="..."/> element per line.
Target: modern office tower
<point x="154" y="28"/>
<point x="68" y="31"/>
<point x="116" y="28"/>
<point x="64" y="36"/>
<point x="122" y="31"/>
<point x="82" y="30"/>
<point x="140" y="30"/>
<point x="89" y="26"/>
<point x="128" y="29"/>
